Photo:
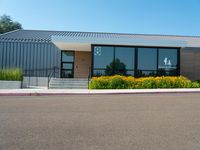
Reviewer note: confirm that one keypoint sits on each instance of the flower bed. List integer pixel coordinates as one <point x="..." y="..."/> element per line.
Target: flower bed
<point x="123" y="82"/>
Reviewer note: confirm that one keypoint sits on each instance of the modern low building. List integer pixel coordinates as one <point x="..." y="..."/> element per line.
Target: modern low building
<point x="79" y="54"/>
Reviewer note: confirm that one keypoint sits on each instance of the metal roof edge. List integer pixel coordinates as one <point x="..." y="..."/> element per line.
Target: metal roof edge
<point x="198" y="36"/>
<point x="125" y="34"/>
<point x="10" y="32"/>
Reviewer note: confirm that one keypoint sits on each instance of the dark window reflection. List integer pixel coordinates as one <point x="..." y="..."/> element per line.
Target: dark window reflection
<point x="126" y="55"/>
<point x="116" y="67"/>
<point x="167" y="62"/>
<point x="103" y="56"/>
<point x="144" y="73"/>
<point x="110" y="60"/>
<point x="147" y="58"/>
<point x="163" y="72"/>
<point x="99" y="72"/>
<point x="67" y="74"/>
<point x="67" y="56"/>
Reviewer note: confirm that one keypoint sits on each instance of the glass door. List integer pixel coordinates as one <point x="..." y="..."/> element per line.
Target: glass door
<point x="67" y="64"/>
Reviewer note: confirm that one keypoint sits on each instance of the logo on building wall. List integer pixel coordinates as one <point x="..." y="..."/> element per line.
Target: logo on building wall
<point x="167" y="62"/>
<point x="97" y="51"/>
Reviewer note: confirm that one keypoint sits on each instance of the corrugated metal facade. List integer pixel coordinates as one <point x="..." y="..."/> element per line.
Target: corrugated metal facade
<point x="34" y="58"/>
<point x="34" y="50"/>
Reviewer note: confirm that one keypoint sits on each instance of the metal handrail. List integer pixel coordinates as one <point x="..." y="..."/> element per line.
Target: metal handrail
<point x="52" y="74"/>
<point x="37" y="72"/>
<point x="89" y="76"/>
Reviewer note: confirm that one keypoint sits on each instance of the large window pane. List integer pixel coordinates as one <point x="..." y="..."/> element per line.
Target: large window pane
<point x="147" y="59"/>
<point x="167" y="63"/>
<point x="126" y="56"/>
<point x="67" y="56"/>
<point x="103" y="56"/>
<point x="67" y="65"/>
<point x="99" y="72"/>
<point x="167" y="59"/>
<point x="67" y="73"/>
<point x="124" y="60"/>
<point x="110" y="60"/>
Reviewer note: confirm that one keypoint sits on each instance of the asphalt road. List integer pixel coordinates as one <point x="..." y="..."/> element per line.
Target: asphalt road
<point x="101" y="122"/>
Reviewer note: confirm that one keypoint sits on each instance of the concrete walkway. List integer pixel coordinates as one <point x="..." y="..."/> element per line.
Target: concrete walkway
<point x="30" y="92"/>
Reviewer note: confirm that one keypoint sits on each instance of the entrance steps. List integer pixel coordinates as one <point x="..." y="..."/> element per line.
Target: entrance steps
<point x="68" y="83"/>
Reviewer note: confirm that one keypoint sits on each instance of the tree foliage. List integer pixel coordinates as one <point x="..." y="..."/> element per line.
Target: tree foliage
<point x="7" y="24"/>
<point x="116" y="67"/>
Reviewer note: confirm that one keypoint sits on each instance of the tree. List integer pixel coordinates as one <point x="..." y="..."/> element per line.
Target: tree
<point x="116" y="67"/>
<point x="7" y="24"/>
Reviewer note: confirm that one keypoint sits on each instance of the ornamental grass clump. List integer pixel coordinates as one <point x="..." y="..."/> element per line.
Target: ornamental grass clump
<point x="123" y="82"/>
<point x="11" y="74"/>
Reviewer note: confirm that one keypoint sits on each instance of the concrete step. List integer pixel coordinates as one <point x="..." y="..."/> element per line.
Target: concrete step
<point x="60" y="82"/>
<point x="69" y="87"/>
<point x="55" y="81"/>
<point x="70" y="83"/>
<point x="70" y="79"/>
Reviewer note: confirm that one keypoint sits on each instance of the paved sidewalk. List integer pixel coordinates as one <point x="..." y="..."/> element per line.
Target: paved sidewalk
<point x="26" y="92"/>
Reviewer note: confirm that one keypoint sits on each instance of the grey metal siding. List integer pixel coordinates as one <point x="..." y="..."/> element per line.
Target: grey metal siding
<point x="34" y="58"/>
<point x="1" y="55"/>
<point x="190" y="63"/>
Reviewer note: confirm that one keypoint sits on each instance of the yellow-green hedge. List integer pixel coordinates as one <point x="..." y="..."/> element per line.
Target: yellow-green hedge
<point x="123" y="82"/>
<point x="11" y="74"/>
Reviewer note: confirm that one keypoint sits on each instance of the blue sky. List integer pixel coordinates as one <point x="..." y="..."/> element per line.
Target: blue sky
<point x="179" y="17"/>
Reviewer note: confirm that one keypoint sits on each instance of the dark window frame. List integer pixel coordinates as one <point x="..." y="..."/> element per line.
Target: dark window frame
<point x="67" y="62"/>
<point x="114" y="47"/>
<point x="135" y="70"/>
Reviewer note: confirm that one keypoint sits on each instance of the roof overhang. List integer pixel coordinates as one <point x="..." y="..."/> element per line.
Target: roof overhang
<point x="84" y="44"/>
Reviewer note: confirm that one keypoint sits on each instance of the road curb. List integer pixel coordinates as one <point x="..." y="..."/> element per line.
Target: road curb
<point x="95" y="92"/>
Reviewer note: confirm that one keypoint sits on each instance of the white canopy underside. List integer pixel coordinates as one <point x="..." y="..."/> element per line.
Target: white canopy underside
<point x="84" y="43"/>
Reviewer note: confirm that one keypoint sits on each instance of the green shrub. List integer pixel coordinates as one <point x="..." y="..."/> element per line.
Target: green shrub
<point x="194" y="85"/>
<point x="117" y="82"/>
<point x="122" y="82"/>
<point x="197" y="81"/>
<point x="11" y="74"/>
<point x="100" y="83"/>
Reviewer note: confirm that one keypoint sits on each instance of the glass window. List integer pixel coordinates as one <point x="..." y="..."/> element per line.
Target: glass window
<point x="67" y="73"/>
<point x="147" y="59"/>
<point x="167" y="59"/>
<point x="67" y="56"/>
<point x="126" y="56"/>
<point x="110" y="60"/>
<point x="67" y="66"/>
<point x="167" y="63"/>
<point x="130" y="73"/>
<point x="172" y="72"/>
<point x="143" y="73"/>
<point x="99" y="72"/>
<point x="103" y="56"/>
